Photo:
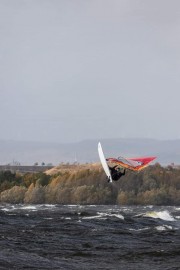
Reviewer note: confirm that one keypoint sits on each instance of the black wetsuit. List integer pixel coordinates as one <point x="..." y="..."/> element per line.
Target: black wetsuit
<point x="116" y="173"/>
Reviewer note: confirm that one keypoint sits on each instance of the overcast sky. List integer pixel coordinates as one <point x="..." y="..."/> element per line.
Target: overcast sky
<point x="83" y="69"/>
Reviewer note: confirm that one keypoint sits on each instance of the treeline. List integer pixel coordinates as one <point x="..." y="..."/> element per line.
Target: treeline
<point x="155" y="185"/>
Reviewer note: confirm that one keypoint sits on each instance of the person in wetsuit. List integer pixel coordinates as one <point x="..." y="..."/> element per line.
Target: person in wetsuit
<point x="116" y="172"/>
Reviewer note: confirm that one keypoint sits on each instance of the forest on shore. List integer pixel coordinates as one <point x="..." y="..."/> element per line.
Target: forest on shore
<point x="156" y="185"/>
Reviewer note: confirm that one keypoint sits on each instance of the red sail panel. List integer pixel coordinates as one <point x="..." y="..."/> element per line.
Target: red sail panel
<point x="140" y="162"/>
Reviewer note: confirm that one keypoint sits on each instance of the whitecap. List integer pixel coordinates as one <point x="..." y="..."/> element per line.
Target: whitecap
<point x="137" y="230"/>
<point x="29" y="207"/>
<point x="117" y="215"/>
<point x="127" y="209"/>
<point x="6" y="209"/>
<point x="104" y="216"/>
<point x="164" y="215"/>
<point x="163" y="228"/>
<point x="94" y="217"/>
<point x="49" y="205"/>
<point x="148" y="206"/>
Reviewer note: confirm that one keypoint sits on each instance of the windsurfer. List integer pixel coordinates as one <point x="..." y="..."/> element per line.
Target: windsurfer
<point x="116" y="172"/>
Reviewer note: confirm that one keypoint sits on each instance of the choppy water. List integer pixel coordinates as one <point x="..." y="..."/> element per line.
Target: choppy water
<point x="89" y="237"/>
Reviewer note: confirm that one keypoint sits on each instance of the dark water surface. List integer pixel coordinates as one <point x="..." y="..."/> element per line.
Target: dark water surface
<point x="89" y="237"/>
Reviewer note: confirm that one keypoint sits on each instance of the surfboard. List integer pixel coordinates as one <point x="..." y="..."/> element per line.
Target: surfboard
<point x="103" y="162"/>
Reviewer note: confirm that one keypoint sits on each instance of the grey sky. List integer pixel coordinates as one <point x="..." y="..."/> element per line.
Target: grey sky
<point x="73" y="70"/>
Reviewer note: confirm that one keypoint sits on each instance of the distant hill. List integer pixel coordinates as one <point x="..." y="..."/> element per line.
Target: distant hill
<point x="28" y="153"/>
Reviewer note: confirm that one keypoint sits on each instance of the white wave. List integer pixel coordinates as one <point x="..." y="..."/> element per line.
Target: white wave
<point x="94" y="217"/>
<point x="164" y="215"/>
<point x="28" y="207"/>
<point x="111" y="215"/>
<point x="104" y="216"/>
<point x="13" y="208"/>
<point x="148" y="206"/>
<point x="137" y="230"/>
<point x="117" y="215"/>
<point x="49" y="205"/>
<point x="177" y="217"/>
<point x="6" y="209"/>
<point x="163" y="228"/>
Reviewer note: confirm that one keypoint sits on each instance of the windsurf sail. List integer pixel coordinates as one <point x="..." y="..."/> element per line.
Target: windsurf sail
<point x="134" y="164"/>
